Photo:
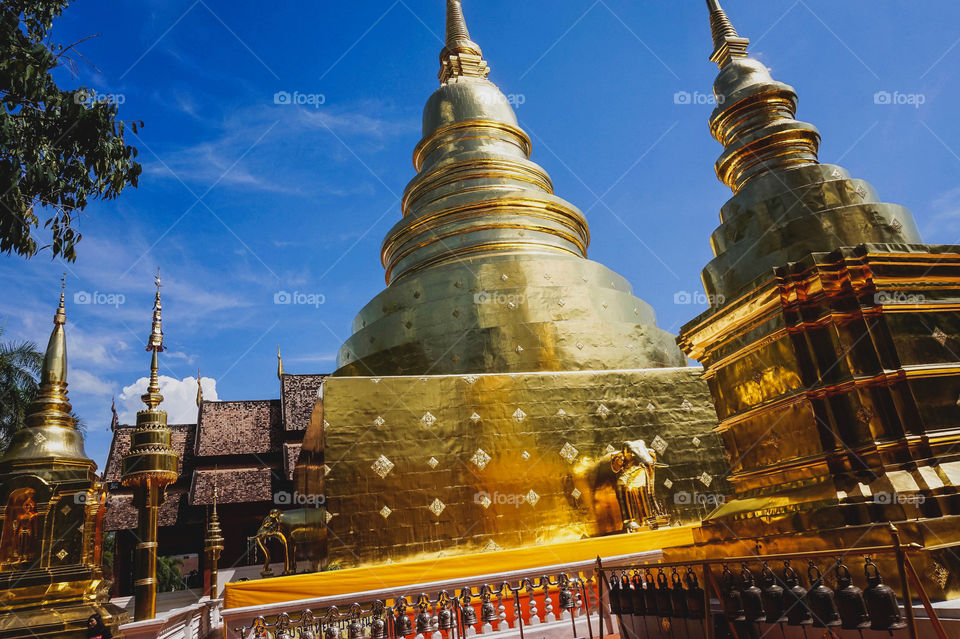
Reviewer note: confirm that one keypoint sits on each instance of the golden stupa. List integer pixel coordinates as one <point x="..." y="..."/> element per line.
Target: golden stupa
<point x="149" y="467"/>
<point x="830" y="349"/>
<point x="488" y="393"/>
<point x="51" y="579"/>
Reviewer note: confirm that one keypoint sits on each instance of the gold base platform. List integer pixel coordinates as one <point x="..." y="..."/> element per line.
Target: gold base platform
<point x="371" y="577"/>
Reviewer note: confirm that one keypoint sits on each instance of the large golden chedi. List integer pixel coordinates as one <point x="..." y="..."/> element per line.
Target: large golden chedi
<point x="487" y="270"/>
<point x="484" y="396"/>
<point x="830" y="350"/>
<point x="51" y="579"/>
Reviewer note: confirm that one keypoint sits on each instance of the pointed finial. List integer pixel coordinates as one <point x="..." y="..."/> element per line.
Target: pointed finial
<point x="461" y="56"/>
<point x="60" y="318"/>
<point x="279" y="364"/>
<point x="152" y="398"/>
<point x="199" y="389"/>
<point x="115" y="420"/>
<point x="727" y="43"/>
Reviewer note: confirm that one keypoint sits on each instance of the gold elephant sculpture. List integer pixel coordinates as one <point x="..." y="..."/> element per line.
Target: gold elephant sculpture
<point x="618" y="488"/>
<point x="302" y="528"/>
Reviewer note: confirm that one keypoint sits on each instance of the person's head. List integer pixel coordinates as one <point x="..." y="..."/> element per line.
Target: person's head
<point x="94" y="620"/>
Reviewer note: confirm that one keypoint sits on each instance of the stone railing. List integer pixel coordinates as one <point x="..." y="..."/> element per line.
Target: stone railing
<point x="548" y="602"/>
<point x="196" y="621"/>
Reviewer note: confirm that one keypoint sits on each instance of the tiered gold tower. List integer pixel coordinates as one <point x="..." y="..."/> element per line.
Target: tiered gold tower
<point x="484" y="392"/>
<point x="830" y="349"/>
<point x="51" y="579"/>
<point x="487" y="270"/>
<point x="149" y="467"/>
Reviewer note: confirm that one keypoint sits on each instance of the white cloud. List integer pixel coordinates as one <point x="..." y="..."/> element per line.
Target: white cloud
<point x="179" y="398"/>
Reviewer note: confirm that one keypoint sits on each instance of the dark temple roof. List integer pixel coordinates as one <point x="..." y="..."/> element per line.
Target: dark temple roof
<point x="299" y="396"/>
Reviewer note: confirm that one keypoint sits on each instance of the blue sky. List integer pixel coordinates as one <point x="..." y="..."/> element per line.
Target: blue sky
<point x="242" y="198"/>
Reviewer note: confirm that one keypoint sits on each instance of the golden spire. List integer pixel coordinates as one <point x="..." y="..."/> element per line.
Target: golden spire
<point x="786" y="204"/>
<point x="152" y="398"/>
<point x="51" y="405"/>
<point x="727" y="43"/>
<point x="199" y="389"/>
<point x="461" y="56"/>
<point x="279" y="364"/>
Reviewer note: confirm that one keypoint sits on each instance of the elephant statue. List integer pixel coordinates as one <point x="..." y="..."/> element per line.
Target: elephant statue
<point x="301" y="528"/>
<point x="618" y="488"/>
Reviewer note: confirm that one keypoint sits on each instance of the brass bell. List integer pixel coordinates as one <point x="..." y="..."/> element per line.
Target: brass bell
<point x="444" y="618"/>
<point x="378" y="628"/>
<point x="773" y="599"/>
<point x="331" y="632"/>
<point x="678" y="596"/>
<point x="853" y="609"/>
<point x="614" y="592"/>
<point x="798" y="614"/>
<point x="752" y="597"/>
<point x="664" y="596"/>
<point x="821" y="600"/>
<point x="881" y="601"/>
<point x="650" y="594"/>
<point x="355" y="629"/>
<point x="402" y="624"/>
<point x="732" y="599"/>
<point x="637" y="602"/>
<point x="488" y="612"/>
<point x="306" y="632"/>
<point x="567" y="600"/>
<point x="468" y="614"/>
<point x="424" y="621"/>
<point x="695" y="603"/>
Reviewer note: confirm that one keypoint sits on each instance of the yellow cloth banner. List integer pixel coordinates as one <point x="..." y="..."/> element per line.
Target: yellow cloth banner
<point x="340" y="582"/>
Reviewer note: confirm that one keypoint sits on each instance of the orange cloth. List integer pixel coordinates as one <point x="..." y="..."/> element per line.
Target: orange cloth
<point x="339" y="582"/>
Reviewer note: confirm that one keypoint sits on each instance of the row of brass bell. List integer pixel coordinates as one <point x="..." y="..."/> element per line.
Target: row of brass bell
<point x="785" y="600"/>
<point x="646" y="596"/>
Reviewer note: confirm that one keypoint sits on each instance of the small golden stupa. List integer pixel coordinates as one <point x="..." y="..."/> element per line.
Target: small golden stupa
<point x="51" y="579"/>
<point x="149" y="467"/>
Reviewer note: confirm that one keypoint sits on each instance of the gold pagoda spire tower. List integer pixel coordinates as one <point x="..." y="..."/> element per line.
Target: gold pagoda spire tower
<point x="488" y="270"/>
<point x="149" y="467"/>
<point x="827" y="349"/>
<point x="51" y="578"/>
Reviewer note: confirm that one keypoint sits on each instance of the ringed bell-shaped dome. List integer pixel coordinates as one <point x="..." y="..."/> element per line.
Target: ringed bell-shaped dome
<point x="487" y="271"/>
